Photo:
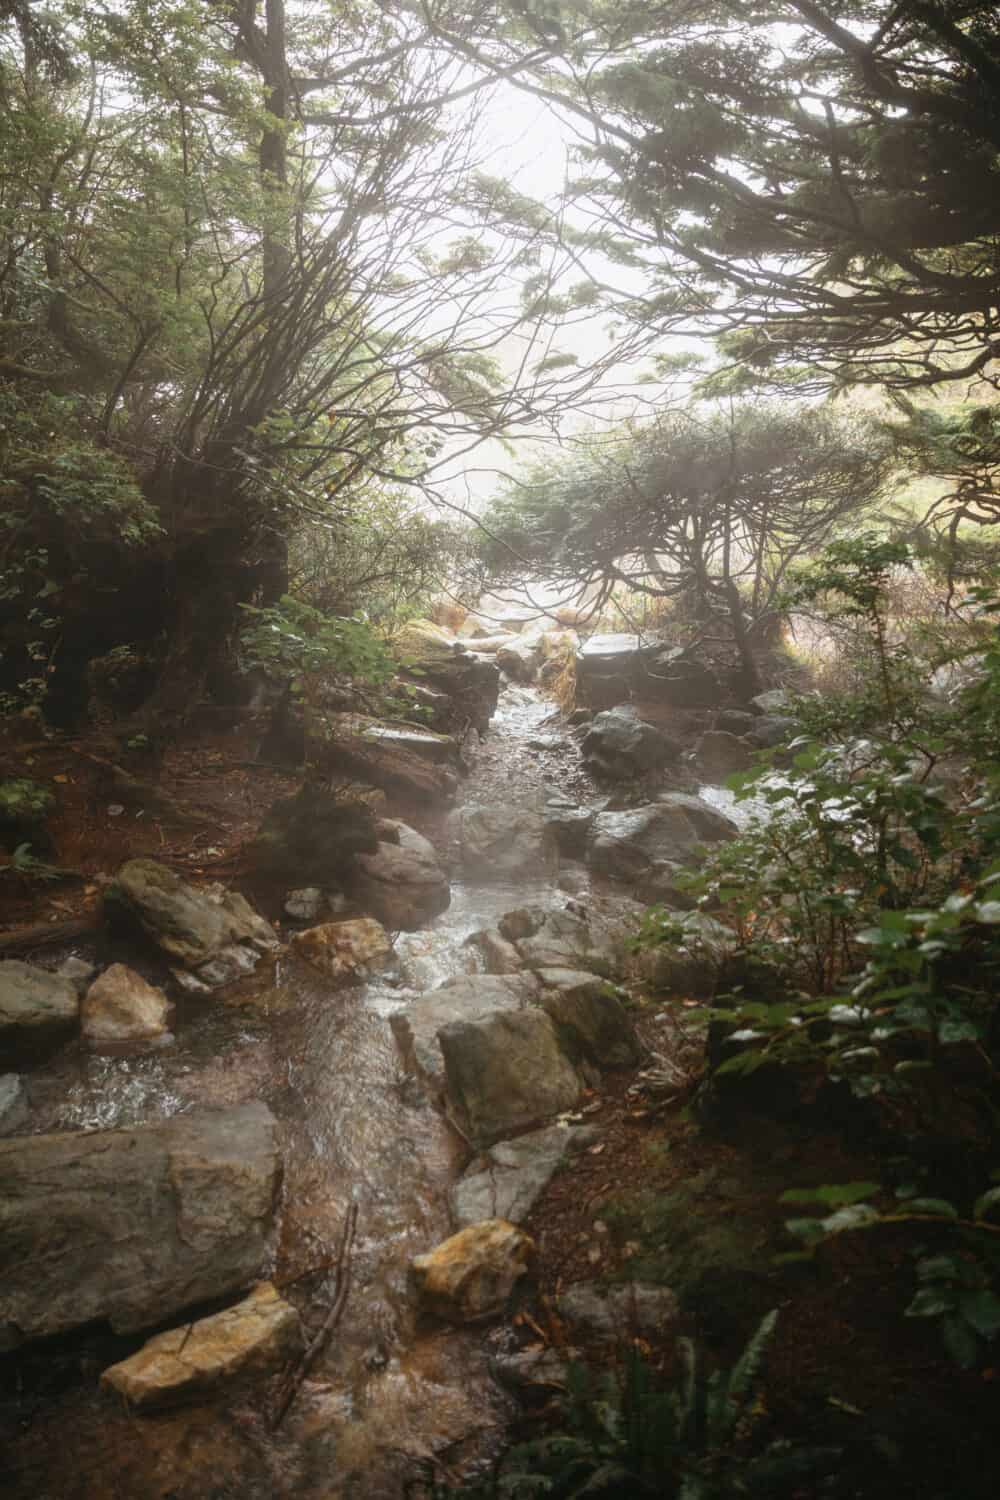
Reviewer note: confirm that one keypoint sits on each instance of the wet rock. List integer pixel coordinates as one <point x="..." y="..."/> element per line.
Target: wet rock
<point x="38" y="1010"/>
<point x="719" y="754"/>
<point x="439" y="749"/>
<point x="573" y="881"/>
<point x="14" y="1110"/>
<point x="523" y="922"/>
<point x="255" y="1336"/>
<point x="691" y="965"/>
<point x="345" y="952"/>
<point x="440" y="661"/>
<point x="121" y="1007"/>
<point x="734" y="720"/>
<point x="505" y="1072"/>
<point x="489" y="645"/>
<point x="513" y="1174"/>
<point x="402" y="884"/>
<point x="772" y="730"/>
<point x="772" y="702"/>
<point x="569" y="824"/>
<point x="210" y="930"/>
<point x="79" y="970"/>
<point x="619" y="745"/>
<point x="626" y="845"/>
<point x="662" y="885"/>
<point x="540" y="1368"/>
<point x="499" y="956"/>
<point x="671" y="677"/>
<point x="564" y="941"/>
<point x="503" y="840"/>
<point x="305" y="905"/>
<point x="311" y="837"/>
<point x="519" y="659"/>
<point x="384" y="763"/>
<point x="133" y="1225"/>
<point x="469" y="1277"/>
<point x="636" y="1309"/>
<point x="580" y="717"/>
<point x="467" y="997"/>
<point x="592" y="1023"/>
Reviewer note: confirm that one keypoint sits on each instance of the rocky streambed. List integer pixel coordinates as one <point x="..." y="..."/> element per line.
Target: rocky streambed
<point x="173" y="1208"/>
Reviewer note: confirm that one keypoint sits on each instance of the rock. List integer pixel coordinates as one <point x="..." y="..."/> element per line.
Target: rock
<point x="627" y="845"/>
<point x="38" y="1010"/>
<point x="519" y="659"/>
<point x="539" y="1368"/>
<point x="523" y="922"/>
<point x="692" y="966"/>
<point x="671" y="677"/>
<point x="438" y="660"/>
<point x="772" y="730"/>
<point x="24" y="807"/>
<point x="305" y="905"/>
<point x="503" y="840"/>
<point x="499" y="956"/>
<point x="402" y="884"/>
<point x="514" y="1174"/>
<point x="489" y="645"/>
<point x="121" y="1007"/>
<point x="80" y="971"/>
<point x="564" y="941"/>
<point x="345" y="952"/>
<point x="618" y="745"/>
<point x="469" y="1277"/>
<point x="573" y="881"/>
<point x="466" y="997"/>
<point x="133" y="1225"/>
<point x="636" y="1309"/>
<point x="569" y="824"/>
<point x="580" y="717"/>
<point x="661" y="886"/>
<point x="505" y="1072"/>
<point x="14" y="1110"/>
<point x="734" y="720"/>
<point x="312" y="837"/>
<point x="591" y="1021"/>
<point x="771" y="702"/>
<point x="255" y="1336"/>
<point x="719" y="754"/>
<point x="439" y="749"/>
<point x="211" y="930"/>
<point x="383" y="763"/>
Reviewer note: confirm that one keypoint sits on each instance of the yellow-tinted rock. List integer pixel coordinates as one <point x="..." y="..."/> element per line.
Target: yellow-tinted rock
<point x="344" y="951"/>
<point x="121" y="1007"/>
<point x="257" y="1334"/>
<point x="470" y="1276"/>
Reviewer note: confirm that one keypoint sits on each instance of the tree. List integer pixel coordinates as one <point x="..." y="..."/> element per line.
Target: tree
<point x="216" y="247"/>
<point x="816" y="180"/>
<point x="709" y="505"/>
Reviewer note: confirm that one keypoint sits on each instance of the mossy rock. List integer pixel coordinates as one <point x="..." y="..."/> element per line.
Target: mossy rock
<point x="24" y="807"/>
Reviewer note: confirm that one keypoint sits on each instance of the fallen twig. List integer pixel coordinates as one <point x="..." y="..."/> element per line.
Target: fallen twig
<point x="341" y="1288"/>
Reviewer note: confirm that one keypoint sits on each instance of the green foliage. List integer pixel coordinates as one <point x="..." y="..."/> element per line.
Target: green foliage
<point x="25" y="866"/>
<point x="625" y="1439"/>
<point x="294" y="640"/>
<point x="23" y="801"/>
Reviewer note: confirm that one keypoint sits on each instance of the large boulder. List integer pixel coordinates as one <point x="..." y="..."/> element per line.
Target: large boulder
<point x="550" y="939"/>
<point x="426" y="744"/>
<point x="38" y="1010"/>
<point x="691" y="958"/>
<point x="719" y="754"/>
<point x="346" y="952"/>
<point x="774" y="701"/>
<point x="470" y="1277"/>
<point x="435" y="658"/>
<point x="569" y="824"/>
<point x="211" y="931"/>
<point x="466" y="997"/>
<point x="252" y="1338"/>
<point x="508" y="1179"/>
<point x="503" y="840"/>
<point x="121" y="1007"/>
<point x="618" y="745"/>
<point x="382" y="762"/>
<point x="630" y="1310"/>
<point x="402" y="883"/>
<point x="590" y="1019"/>
<point x="132" y="1226"/>
<point x="626" y="846"/>
<point x="670" y="676"/>
<point x="310" y="838"/>
<point x="519" y="659"/>
<point x="605" y="667"/>
<point x="504" y="1073"/>
<point x="772" y="730"/>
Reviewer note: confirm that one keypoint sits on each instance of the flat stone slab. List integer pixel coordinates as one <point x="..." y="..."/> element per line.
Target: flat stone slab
<point x="515" y="1173"/>
<point x="465" y="998"/>
<point x="132" y="1226"/>
<point x="256" y="1335"/>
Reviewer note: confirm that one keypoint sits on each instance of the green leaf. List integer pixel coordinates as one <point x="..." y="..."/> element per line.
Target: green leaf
<point x="940" y="1207"/>
<point x="960" y="1341"/>
<point x="985" y="1203"/>
<point x="929" y="1302"/>
<point x="836" y="1195"/>
<point x="982" y="1309"/>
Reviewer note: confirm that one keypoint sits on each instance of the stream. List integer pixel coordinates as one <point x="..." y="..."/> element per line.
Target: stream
<point x="389" y="1392"/>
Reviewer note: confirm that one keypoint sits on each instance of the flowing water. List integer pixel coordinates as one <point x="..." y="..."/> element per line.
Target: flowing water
<point x="388" y="1393"/>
